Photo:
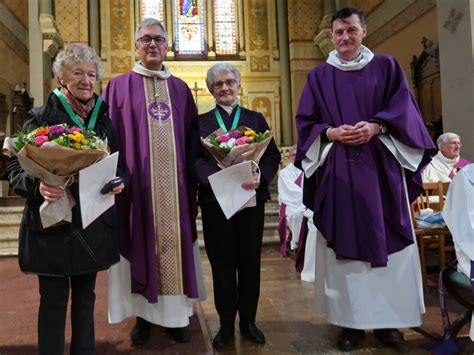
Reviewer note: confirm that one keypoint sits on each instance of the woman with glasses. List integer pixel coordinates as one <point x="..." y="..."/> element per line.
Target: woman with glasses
<point x="66" y="257"/>
<point x="233" y="246"/>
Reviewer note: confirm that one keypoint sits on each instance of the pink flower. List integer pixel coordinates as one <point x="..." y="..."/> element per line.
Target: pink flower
<point x="242" y="140"/>
<point x="40" y="140"/>
<point x="73" y="129"/>
<point x="222" y="139"/>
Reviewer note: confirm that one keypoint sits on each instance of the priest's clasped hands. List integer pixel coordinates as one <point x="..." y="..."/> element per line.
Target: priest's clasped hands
<point x="359" y="133"/>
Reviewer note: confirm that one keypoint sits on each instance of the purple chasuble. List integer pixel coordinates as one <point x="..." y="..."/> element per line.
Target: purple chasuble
<point x="357" y="195"/>
<point x="135" y="223"/>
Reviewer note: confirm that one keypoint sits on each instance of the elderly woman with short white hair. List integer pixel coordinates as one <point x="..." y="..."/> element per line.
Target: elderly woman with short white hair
<point x="233" y="246"/>
<point x="66" y="257"/>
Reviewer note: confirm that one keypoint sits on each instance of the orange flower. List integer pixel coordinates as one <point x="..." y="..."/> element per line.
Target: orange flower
<point x="42" y="132"/>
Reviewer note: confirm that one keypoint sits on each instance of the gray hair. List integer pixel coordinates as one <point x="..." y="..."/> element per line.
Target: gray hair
<point x="74" y="54"/>
<point x="443" y="139"/>
<point x="148" y="22"/>
<point x="219" y="68"/>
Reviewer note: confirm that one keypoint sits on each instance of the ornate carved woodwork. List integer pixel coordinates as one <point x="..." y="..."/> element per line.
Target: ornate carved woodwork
<point x="427" y="86"/>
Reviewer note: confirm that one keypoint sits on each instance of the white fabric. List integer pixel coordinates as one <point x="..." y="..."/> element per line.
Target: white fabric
<point x="230" y="108"/>
<point x="170" y="311"/>
<point x="315" y="156"/>
<point x="353" y="294"/>
<point x="358" y="63"/>
<point x="458" y="213"/>
<point x="160" y="74"/>
<point x="291" y="195"/>
<point x="309" y="266"/>
<point x="439" y="168"/>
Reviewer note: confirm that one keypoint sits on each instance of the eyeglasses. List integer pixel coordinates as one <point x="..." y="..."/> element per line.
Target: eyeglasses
<point x="146" y="40"/>
<point x="228" y="83"/>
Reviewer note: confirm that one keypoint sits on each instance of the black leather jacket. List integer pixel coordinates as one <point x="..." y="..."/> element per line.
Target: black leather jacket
<point x="65" y="249"/>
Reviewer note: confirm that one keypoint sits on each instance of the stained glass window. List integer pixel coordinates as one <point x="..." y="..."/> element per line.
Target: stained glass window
<point x="189" y="27"/>
<point x="225" y="27"/>
<point x="152" y="8"/>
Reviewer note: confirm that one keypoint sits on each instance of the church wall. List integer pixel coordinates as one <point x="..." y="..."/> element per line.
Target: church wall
<point x="14" y="60"/>
<point x="406" y="43"/>
<point x="258" y="63"/>
<point x="72" y="20"/>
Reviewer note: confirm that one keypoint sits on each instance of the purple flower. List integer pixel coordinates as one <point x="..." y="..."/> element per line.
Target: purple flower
<point x="56" y="130"/>
<point x="73" y="129"/>
<point x="235" y="134"/>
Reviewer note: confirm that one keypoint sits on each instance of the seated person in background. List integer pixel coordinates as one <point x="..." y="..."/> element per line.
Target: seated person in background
<point x="446" y="163"/>
<point x="290" y="199"/>
<point x="458" y="213"/>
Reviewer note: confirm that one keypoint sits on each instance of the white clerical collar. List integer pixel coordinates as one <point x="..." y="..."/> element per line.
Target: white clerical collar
<point x="161" y="74"/>
<point x="231" y="107"/>
<point x="358" y="63"/>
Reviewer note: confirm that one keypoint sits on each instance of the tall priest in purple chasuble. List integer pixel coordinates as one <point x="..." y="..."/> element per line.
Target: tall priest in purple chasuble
<point x="362" y="145"/>
<point x="159" y="274"/>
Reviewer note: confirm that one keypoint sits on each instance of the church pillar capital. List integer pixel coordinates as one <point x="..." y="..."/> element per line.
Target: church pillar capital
<point x="52" y="40"/>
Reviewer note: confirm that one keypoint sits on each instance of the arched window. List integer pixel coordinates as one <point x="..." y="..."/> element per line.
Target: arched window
<point x="197" y="29"/>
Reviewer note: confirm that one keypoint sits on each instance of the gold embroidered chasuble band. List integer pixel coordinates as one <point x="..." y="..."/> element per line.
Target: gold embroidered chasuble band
<point x="164" y="186"/>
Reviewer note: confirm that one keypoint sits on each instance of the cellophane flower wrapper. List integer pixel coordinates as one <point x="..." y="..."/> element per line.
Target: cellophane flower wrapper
<point x="56" y="165"/>
<point x="238" y="153"/>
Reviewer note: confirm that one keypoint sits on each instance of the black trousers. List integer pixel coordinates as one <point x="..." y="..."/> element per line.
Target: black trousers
<point x="54" y="292"/>
<point x="233" y="247"/>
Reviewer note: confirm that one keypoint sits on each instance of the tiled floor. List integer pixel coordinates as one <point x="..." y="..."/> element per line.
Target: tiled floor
<point x="286" y="315"/>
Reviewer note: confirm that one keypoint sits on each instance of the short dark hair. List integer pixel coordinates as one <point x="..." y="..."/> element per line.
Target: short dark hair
<point x="346" y="12"/>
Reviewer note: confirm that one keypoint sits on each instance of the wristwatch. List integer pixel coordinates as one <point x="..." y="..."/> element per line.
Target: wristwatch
<point x="382" y="129"/>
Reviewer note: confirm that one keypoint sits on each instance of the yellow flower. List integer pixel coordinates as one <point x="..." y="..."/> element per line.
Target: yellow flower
<point x="77" y="146"/>
<point x="250" y="132"/>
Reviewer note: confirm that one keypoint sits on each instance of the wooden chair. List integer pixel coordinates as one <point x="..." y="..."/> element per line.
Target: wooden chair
<point x="435" y="239"/>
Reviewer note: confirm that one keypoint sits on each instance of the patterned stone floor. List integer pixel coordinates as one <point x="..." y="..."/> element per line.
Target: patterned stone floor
<point x="286" y="315"/>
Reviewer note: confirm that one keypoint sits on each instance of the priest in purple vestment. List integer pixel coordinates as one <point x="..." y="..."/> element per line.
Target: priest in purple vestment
<point x="362" y="145"/>
<point x="158" y="276"/>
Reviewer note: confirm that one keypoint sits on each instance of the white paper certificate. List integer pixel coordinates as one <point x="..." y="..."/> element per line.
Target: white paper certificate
<point x="91" y="181"/>
<point x="227" y="187"/>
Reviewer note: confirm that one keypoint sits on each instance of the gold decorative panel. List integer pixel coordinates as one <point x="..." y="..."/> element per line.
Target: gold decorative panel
<point x="121" y="65"/>
<point x="367" y="6"/>
<point x="263" y="105"/>
<point x="258" y="24"/>
<point x="120" y="24"/>
<point x="19" y="9"/>
<point x="260" y="64"/>
<point x="72" y="20"/>
<point x="304" y="17"/>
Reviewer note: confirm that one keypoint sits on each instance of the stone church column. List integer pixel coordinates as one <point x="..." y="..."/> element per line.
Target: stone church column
<point x="44" y="43"/>
<point x="94" y="27"/>
<point x="286" y="114"/>
<point x="304" y="17"/>
<point x="456" y="48"/>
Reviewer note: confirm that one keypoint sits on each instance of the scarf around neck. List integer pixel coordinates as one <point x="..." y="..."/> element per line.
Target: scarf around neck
<point x="80" y="108"/>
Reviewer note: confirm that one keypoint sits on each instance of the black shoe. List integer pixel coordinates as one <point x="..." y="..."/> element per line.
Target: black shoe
<point x="223" y="336"/>
<point x="349" y="339"/>
<point x="389" y="337"/>
<point x="140" y="332"/>
<point x="179" y="335"/>
<point x="251" y="332"/>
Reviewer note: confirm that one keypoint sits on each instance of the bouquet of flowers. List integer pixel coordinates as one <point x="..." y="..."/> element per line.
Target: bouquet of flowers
<point x="55" y="154"/>
<point x="233" y="147"/>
